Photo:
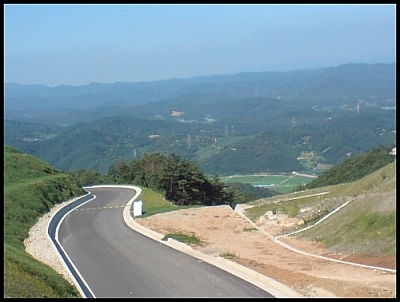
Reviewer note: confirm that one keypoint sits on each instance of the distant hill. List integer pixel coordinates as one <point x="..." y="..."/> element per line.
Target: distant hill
<point x="266" y="122"/>
<point x="351" y="169"/>
<point x="326" y="87"/>
<point x="270" y="144"/>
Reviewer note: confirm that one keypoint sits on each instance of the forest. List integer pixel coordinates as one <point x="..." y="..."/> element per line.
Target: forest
<point x="276" y="149"/>
<point x="268" y="122"/>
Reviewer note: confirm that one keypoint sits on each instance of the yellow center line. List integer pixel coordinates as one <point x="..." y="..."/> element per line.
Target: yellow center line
<point x="100" y="208"/>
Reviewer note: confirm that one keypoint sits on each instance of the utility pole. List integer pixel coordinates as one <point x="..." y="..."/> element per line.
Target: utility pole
<point x="293" y="121"/>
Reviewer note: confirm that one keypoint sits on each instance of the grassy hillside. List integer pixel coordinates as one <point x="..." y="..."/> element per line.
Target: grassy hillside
<point x="353" y="168"/>
<point x="31" y="189"/>
<point x="366" y="226"/>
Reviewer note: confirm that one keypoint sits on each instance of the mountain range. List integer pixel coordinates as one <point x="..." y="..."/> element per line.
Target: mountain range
<point x="273" y="122"/>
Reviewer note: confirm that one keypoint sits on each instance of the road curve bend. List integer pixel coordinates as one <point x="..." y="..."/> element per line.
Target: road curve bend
<point x="140" y="264"/>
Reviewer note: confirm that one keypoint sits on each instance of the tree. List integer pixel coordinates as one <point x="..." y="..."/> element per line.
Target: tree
<point x="219" y="193"/>
<point x="119" y="172"/>
<point x="87" y="177"/>
<point x="180" y="180"/>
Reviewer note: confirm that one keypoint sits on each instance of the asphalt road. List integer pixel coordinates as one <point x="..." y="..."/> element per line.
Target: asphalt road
<point x="116" y="261"/>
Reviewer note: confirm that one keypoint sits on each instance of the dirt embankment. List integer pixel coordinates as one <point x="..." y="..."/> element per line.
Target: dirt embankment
<point x="224" y="231"/>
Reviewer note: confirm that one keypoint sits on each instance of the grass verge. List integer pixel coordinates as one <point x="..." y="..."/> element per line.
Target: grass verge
<point x="184" y="238"/>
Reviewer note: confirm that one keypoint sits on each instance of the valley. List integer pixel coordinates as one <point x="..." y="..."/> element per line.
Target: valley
<point x="240" y="124"/>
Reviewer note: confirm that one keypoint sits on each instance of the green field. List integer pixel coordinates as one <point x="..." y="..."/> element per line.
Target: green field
<point x="280" y="183"/>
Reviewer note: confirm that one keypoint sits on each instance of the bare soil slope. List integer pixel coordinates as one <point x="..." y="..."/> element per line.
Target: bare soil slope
<point x="225" y="231"/>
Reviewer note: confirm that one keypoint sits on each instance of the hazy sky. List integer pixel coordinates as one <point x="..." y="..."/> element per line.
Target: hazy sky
<point x="79" y="44"/>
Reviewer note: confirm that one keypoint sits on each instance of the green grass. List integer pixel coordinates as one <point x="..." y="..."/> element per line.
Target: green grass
<point x="228" y="255"/>
<point x="372" y="233"/>
<point x="31" y="189"/>
<point x="372" y="221"/>
<point x="249" y="229"/>
<point x="28" y="278"/>
<point x="20" y="167"/>
<point x="280" y="183"/>
<point x="289" y="204"/>
<point x="367" y="225"/>
<point x="154" y="203"/>
<point x="189" y="239"/>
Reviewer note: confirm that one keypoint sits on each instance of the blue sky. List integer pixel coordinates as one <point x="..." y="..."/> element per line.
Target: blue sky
<point x="80" y="44"/>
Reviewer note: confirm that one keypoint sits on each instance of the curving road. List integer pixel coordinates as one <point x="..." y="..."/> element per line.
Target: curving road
<point x="116" y="261"/>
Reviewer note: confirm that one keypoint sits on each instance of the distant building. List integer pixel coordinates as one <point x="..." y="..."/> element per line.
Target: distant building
<point x="177" y="113"/>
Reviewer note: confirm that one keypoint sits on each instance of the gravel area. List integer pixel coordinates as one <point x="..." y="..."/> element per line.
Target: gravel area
<point x="41" y="248"/>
